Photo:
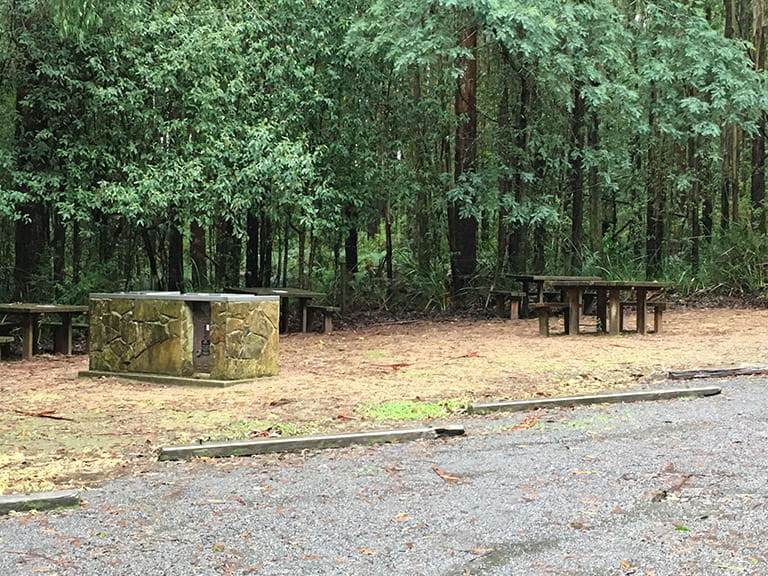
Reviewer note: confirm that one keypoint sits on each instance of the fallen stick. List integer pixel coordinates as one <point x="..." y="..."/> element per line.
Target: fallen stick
<point x="44" y="414"/>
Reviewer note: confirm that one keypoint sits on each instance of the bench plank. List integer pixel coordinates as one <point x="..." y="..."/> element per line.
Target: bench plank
<point x="3" y="341"/>
<point x="515" y="298"/>
<point x="326" y="311"/>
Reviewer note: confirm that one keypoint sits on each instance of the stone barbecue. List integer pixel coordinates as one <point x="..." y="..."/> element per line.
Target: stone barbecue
<point x="199" y="336"/>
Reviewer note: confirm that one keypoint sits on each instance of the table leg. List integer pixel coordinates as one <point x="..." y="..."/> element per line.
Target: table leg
<point x="524" y="305"/>
<point x="28" y="336"/>
<point x="641" y="309"/>
<point x="303" y="303"/>
<point x="614" y="311"/>
<point x="283" y="328"/>
<point x="62" y="336"/>
<point x="601" y="309"/>
<point x="574" y="310"/>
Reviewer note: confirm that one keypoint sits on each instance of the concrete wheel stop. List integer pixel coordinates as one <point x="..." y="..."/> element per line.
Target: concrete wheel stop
<point x="319" y="442"/>
<point x="650" y="395"/>
<point x="41" y="501"/>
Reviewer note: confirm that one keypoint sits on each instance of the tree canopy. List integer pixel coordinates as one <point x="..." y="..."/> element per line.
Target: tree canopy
<point x="392" y="154"/>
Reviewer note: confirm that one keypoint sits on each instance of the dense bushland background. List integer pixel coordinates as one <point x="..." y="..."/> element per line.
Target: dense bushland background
<point x="395" y="154"/>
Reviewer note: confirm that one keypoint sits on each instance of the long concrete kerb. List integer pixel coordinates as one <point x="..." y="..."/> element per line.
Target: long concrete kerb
<point x="520" y="405"/>
<point x="39" y="501"/>
<point x="319" y="442"/>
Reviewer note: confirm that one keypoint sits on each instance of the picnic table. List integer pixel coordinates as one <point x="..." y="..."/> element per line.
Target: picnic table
<point x="534" y="286"/>
<point x="609" y="302"/>
<point x="30" y="314"/>
<point x="303" y="297"/>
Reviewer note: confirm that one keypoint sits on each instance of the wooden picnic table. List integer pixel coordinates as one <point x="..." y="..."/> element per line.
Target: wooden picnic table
<point x="539" y="281"/>
<point x="609" y="293"/>
<point x="304" y="298"/>
<point x="29" y="315"/>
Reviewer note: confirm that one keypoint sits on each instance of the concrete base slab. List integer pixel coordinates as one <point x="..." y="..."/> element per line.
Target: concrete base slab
<point x="39" y="501"/>
<point x="164" y="380"/>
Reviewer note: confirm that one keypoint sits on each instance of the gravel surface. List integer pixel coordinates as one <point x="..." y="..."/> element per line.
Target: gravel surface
<point x="674" y="487"/>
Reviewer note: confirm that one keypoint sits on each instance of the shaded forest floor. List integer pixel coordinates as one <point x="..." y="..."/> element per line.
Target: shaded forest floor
<point x="109" y="427"/>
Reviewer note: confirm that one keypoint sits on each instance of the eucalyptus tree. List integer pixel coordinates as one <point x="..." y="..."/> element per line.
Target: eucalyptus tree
<point x="693" y="81"/>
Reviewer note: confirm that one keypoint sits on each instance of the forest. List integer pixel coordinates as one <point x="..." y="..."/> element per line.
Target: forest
<point x="392" y="154"/>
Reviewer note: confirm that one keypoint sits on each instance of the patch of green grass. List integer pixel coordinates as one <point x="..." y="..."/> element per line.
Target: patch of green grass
<point x="376" y="354"/>
<point x="243" y="428"/>
<point x="409" y="410"/>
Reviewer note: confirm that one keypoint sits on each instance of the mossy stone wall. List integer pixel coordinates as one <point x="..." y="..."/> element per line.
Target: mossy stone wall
<point x="155" y="336"/>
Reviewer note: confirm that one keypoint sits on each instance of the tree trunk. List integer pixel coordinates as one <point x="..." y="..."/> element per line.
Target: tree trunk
<point x="694" y="167"/>
<point x="284" y="265"/>
<point x="302" y="276"/>
<point x="729" y="186"/>
<point x="252" y="242"/>
<point x="175" y="270"/>
<point x="149" y="248"/>
<point x="505" y="182"/>
<point x="422" y="247"/>
<point x="266" y="245"/>
<point x="31" y="241"/>
<point x="539" y="249"/>
<point x="59" y="254"/>
<point x="198" y="256"/>
<point x="577" y="180"/>
<point x="654" y="221"/>
<point x="258" y="250"/>
<point x="389" y="246"/>
<point x="77" y="251"/>
<point x="595" y="193"/>
<point x="518" y="233"/>
<point x="757" y="184"/>
<point x="350" y="252"/>
<point x="227" y="263"/>
<point x="462" y="228"/>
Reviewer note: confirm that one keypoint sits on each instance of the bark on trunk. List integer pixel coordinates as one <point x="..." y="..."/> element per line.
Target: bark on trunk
<point x="198" y="256"/>
<point x="577" y="180"/>
<point x="655" y="202"/>
<point x="59" y="253"/>
<point x="227" y="263"/>
<point x="462" y="228"/>
<point x="31" y="240"/>
<point x="757" y="185"/>
<point x="595" y="193"/>
<point x="175" y="259"/>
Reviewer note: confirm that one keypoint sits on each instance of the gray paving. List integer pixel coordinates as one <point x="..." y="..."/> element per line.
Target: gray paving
<point x="671" y="487"/>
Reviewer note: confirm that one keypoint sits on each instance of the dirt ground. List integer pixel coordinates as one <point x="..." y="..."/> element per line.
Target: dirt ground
<point x="57" y="430"/>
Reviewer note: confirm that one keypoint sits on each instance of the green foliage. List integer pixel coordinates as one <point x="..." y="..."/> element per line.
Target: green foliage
<point x="131" y="119"/>
<point x="425" y="286"/>
<point x="735" y="262"/>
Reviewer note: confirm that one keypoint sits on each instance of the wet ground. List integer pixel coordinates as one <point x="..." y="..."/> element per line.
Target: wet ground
<point x="655" y="488"/>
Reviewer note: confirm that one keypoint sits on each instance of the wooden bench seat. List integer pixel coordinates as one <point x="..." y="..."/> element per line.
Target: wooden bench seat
<point x="4" y="340"/>
<point x="7" y="327"/>
<point x="658" y="307"/>
<point x="58" y="323"/>
<point x="515" y="299"/>
<point x="326" y="311"/>
<point x="544" y="310"/>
